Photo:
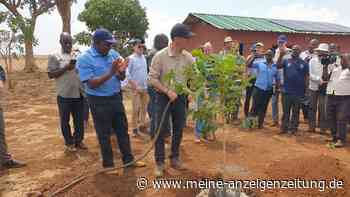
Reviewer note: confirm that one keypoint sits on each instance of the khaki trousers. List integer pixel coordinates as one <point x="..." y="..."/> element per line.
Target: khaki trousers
<point x="139" y="108"/>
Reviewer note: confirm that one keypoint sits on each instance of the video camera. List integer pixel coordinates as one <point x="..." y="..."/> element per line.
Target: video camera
<point x="328" y="59"/>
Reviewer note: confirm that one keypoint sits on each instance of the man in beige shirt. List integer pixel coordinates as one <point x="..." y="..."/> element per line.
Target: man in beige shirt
<point x="175" y="58"/>
<point x="61" y="67"/>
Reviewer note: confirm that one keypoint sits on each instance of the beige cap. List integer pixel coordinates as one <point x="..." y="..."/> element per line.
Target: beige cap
<point x="228" y="39"/>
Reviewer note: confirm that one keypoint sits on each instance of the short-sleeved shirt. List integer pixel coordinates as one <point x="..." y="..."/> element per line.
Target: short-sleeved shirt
<point x="68" y="84"/>
<point x="165" y="61"/>
<point x="339" y="83"/>
<point x="265" y="75"/>
<point x="295" y="71"/>
<point x="137" y="70"/>
<point x="91" y="64"/>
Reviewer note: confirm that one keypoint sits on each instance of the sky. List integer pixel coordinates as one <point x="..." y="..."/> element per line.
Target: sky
<point x="163" y="14"/>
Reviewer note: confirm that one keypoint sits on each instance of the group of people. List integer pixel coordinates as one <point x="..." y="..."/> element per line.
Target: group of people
<point x="316" y="80"/>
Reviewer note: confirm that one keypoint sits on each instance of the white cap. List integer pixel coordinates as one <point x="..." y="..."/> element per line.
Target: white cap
<point x="228" y="39"/>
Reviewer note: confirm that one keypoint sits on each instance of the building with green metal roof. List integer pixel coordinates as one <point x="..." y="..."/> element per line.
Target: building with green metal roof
<point x="248" y="30"/>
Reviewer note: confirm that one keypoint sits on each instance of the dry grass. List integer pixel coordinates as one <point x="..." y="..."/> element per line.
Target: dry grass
<point x="18" y="64"/>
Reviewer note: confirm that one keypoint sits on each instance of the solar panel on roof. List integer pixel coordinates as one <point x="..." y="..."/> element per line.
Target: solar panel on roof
<point x="271" y="25"/>
<point x="312" y="26"/>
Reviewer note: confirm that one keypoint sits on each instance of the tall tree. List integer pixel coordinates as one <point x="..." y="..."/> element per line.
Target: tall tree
<point x="125" y="18"/>
<point x="64" y="8"/>
<point x="25" y="14"/>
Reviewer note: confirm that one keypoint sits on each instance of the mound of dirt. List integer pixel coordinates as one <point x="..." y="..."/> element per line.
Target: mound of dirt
<point x="311" y="168"/>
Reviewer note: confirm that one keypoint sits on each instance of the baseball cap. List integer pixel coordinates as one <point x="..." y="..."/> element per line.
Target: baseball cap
<point x="181" y="30"/>
<point x="136" y="41"/>
<point x="228" y="39"/>
<point x="104" y="35"/>
<point x="282" y="38"/>
<point x="259" y="44"/>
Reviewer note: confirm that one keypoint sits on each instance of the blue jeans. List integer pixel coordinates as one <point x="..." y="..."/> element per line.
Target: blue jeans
<point x="275" y="107"/>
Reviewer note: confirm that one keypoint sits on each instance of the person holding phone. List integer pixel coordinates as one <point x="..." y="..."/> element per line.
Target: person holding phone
<point x="256" y="56"/>
<point x="61" y="67"/>
<point x="263" y="87"/>
<point x="101" y="70"/>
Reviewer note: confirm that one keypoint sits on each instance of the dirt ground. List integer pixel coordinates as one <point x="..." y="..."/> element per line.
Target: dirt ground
<point x="33" y="136"/>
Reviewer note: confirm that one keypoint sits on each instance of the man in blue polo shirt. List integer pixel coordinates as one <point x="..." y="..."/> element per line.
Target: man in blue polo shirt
<point x="263" y="88"/>
<point x="295" y="73"/>
<point x="101" y="70"/>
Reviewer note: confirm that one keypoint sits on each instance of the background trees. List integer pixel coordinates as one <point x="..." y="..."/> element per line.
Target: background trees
<point x="24" y="15"/>
<point x="125" y="18"/>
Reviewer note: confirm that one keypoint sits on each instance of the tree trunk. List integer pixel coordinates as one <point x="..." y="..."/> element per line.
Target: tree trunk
<point x="30" y="65"/>
<point x="28" y="31"/>
<point x="64" y="8"/>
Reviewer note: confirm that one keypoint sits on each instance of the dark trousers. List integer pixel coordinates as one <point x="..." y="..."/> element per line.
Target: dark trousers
<point x="248" y="96"/>
<point x="4" y="156"/>
<point x="109" y="117"/>
<point x="86" y="110"/>
<point x="291" y="105"/>
<point x="177" y="110"/>
<point x="338" y="110"/>
<point x="151" y="110"/>
<point x="74" y="107"/>
<point x="317" y="106"/>
<point x="261" y="100"/>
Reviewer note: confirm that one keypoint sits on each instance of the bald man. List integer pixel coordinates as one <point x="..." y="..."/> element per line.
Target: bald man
<point x="61" y="67"/>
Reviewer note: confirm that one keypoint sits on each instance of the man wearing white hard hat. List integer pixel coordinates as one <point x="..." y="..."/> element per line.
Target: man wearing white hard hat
<point x="317" y="89"/>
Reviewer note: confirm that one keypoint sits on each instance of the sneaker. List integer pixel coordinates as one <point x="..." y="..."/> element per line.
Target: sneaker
<point x="159" y="170"/>
<point x="70" y="148"/>
<point x="331" y="140"/>
<point x="138" y="164"/>
<point x="275" y="124"/>
<point x="13" y="164"/>
<point x="111" y="171"/>
<point x="176" y="164"/>
<point x="81" y="146"/>
<point x="339" y="144"/>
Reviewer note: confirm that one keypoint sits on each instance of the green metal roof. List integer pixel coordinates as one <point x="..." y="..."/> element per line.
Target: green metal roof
<point x="266" y="25"/>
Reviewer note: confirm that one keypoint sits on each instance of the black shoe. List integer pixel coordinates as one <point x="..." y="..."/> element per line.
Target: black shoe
<point x="293" y="132"/>
<point x="81" y="146"/>
<point x="135" y="132"/>
<point x="13" y="164"/>
<point x="283" y="132"/>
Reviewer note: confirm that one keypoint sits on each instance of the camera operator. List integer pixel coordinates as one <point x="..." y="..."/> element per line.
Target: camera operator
<point x="256" y="56"/>
<point x="338" y="106"/>
<point x="317" y="88"/>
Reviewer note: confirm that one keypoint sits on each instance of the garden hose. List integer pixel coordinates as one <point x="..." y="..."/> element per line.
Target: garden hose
<point x="80" y="178"/>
